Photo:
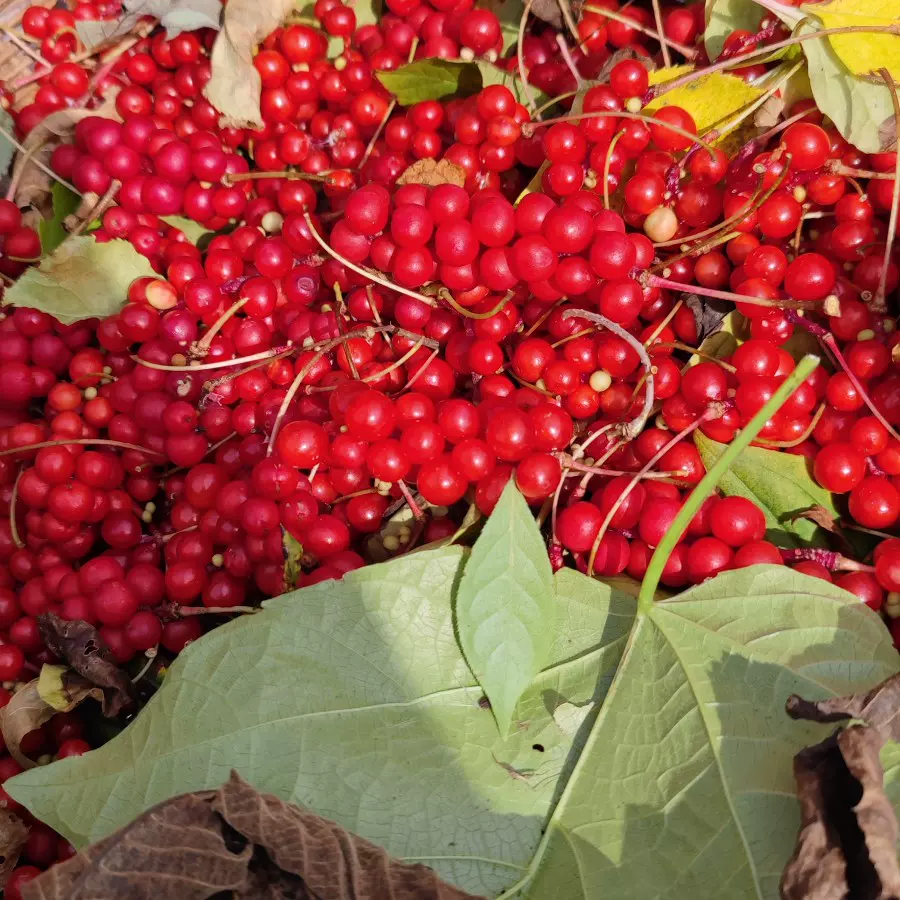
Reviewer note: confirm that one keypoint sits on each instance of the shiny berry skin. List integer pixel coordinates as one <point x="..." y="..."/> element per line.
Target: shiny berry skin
<point x="737" y="521"/>
<point x="839" y="467"/>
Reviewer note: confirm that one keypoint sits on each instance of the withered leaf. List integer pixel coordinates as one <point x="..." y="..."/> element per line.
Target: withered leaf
<point x="879" y="708"/>
<point x="29" y="708"/>
<point x="548" y="11"/>
<point x="13" y="834"/>
<point x="431" y="173"/>
<point x="822" y="517"/>
<point x="769" y="114"/>
<point x="848" y="831"/>
<point x="238" y="843"/>
<point x="81" y="646"/>
<point x="32" y="183"/>
<point x="708" y="314"/>
<point x="332" y="862"/>
<point x="235" y="86"/>
<point x="174" y="851"/>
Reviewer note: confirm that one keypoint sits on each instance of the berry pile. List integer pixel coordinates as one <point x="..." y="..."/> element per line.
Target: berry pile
<point x="356" y="342"/>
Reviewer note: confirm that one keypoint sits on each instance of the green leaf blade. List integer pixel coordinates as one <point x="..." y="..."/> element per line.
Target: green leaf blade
<point x="425" y="79"/>
<point x="685" y="787"/>
<point x="51" y="231"/>
<point x="504" y="606"/>
<point x="353" y="699"/>
<point x="82" y="279"/>
<point x="779" y="483"/>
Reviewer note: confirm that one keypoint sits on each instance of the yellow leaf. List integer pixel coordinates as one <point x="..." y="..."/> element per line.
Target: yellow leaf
<point x="670" y="74"/>
<point x="710" y="100"/>
<point x="50" y="687"/>
<point x="862" y="52"/>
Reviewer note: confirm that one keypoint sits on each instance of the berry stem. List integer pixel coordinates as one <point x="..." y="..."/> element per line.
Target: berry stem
<point x="529" y="127"/>
<point x="230" y="180"/>
<point x="89" y="442"/>
<point x="378" y="279"/>
<point x="374" y="139"/>
<point x="182" y="612"/>
<point x="553" y="101"/>
<point x="713" y="411"/>
<point x="520" y="60"/>
<point x="832" y="561"/>
<point x="29" y="155"/>
<point x="631" y="429"/>
<point x="687" y="52"/>
<point x="13" y="529"/>
<point x="677" y="345"/>
<point x="274" y="353"/>
<point x="807" y="432"/>
<point x="414" y="507"/>
<point x="102" y="205"/>
<point x="836" y="167"/>
<point x="447" y="297"/>
<point x="607" y="162"/>
<point x="663" y="43"/>
<point x="656" y="281"/>
<point x="658" y="90"/>
<point x="200" y="348"/>
<point x="878" y="301"/>
<point x="567" y="59"/>
<point x="707" y="485"/>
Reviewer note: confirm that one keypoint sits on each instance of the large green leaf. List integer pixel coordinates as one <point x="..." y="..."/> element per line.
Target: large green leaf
<point x="685" y="786"/>
<point x="353" y="699"/>
<point x="82" y="279"/>
<point x="505" y="605"/>
<point x="725" y="16"/>
<point x="780" y="484"/>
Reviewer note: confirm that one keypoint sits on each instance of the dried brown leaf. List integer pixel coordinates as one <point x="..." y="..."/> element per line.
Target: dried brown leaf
<point x="879" y="708"/>
<point x="332" y="862"/>
<point x="28" y="709"/>
<point x="80" y="645"/>
<point x="241" y="844"/>
<point x="235" y="86"/>
<point x="32" y="183"/>
<point x="174" y="851"/>
<point x="13" y="834"/>
<point x="708" y="314"/>
<point x="769" y="114"/>
<point x="822" y="517"/>
<point x="431" y="173"/>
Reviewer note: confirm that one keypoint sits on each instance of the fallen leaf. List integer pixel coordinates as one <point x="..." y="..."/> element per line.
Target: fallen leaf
<point x="779" y="483"/>
<point x="725" y="16"/>
<point x="824" y="518"/>
<point x="879" y="708"/>
<point x="81" y="646"/>
<point x="235" y="86"/>
<point x="240" y="843"/>
<point x="13" y="834"/>
<point x="861" y="51"/>
<point x="710" y="100"/>
<point x="30" y="707"/>
<point x="769" y="114"/>
<point x="331" y="861"/>
<point x="175" y="16"/>
<point x="846" y="845"/>
<point x="81" y="279"/>
<point x="708" y="314"/>
<point x="431" y="172"/>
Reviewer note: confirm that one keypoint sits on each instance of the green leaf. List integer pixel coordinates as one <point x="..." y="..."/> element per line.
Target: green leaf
<point x="352" y="698"/>
<point x="293" y="554"/>
<point x="82" y="279"/>
<point x="194" y="231"/>
<point x="723" y="342"/>
<point x="779" y="483"/>
<point x="435" y="79"/>
<point x="685" y="787"/>
<point x="51" y="231"/>
<point x="7" y="150"/>
<point x="504" y="606"/>
<point x="725" y="16"/>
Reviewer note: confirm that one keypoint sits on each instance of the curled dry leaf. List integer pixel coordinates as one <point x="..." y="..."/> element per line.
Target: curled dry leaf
<point x="235" y="86"/>
<point x="239" y="841"/>
<point x="13" y="834"/>
<point x="431" y="173"/>
<point x="33" y="185"/>
<point x="708" y="314"/>
<point x="848" y="831"/>
<point x="80" y="645"/>
<point x="879" y="708"/>
<point x="55" y="690"/>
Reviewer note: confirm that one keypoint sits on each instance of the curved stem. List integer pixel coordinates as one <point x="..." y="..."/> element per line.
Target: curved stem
<point x="447" y="297"/>
<point x="274" y="353"/>
<point x="378" y="279"/>
<point x="13" y="529"/>
<point x="878" y="301"/>
<point x="806" y="433"/>
<point x="607" y="162"/>
<point x="656" y="281"/>
<point x="103" y="442"/>
<point x="520" y="60"/>
<point x="707" y="485"/>
<point x="683" y="49"/>
<point x="741" y="60"/>
<point x="632" y="429"/>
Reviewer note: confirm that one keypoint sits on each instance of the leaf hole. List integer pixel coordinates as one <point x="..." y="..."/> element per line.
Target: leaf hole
<point x="538" y="747"/>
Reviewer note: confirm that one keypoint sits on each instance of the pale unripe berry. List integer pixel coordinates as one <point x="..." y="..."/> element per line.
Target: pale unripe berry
<point x="600" y="381"/>
<point x="272" y="222"/>
<point x="661" y="224"/>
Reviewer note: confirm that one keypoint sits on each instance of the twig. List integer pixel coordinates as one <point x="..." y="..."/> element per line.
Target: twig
<point x="878" y="301"/>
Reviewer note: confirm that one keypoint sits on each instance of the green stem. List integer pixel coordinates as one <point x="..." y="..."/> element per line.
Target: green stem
<point x="711" y="479"/>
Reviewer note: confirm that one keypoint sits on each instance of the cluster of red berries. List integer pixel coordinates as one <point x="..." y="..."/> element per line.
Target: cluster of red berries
<point x="345" y="344"/>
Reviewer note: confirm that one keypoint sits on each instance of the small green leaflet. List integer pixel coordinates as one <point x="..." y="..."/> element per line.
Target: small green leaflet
<point x="51" y="231"/>
<point x="505" y="605"/>
<point x="353" y="699"/>
<point x="685" y="786"/>
<point x="7" y="150"/>
<point x="434" y="79"/>
<point x="82" y="279"/>
<point x="779" y="483"/>
<point x="293" y="554"/>
<point x="194" y="231"/>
